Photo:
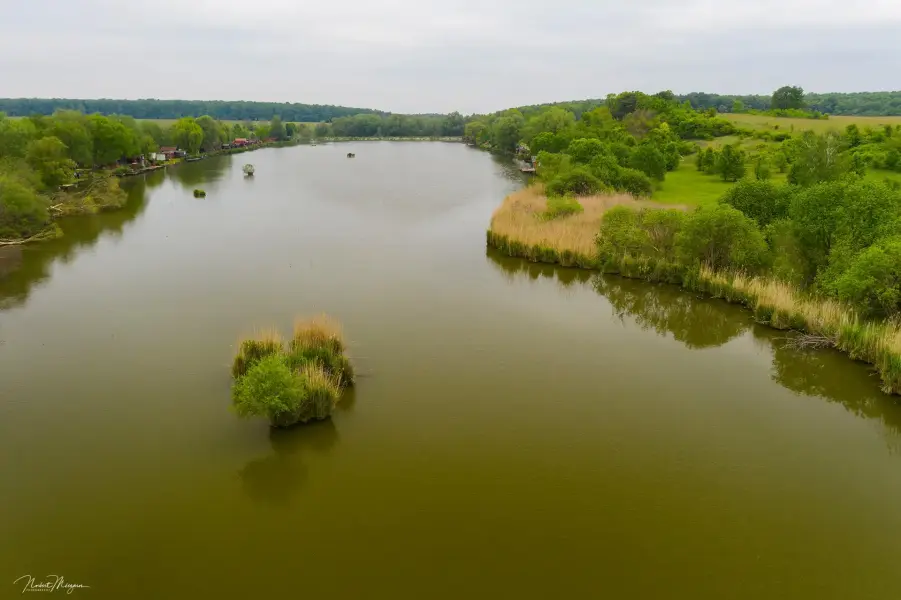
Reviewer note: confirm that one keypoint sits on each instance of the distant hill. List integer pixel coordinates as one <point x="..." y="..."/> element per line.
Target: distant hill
<point x="174" y="109"/>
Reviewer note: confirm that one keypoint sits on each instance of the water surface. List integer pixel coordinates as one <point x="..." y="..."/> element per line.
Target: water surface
<point x="518" y="431"/>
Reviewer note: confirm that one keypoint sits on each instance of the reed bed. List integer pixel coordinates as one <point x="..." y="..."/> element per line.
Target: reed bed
<point x="828" y="322"/>
<point x="518" y="227"/>
<point x="517" y="230"/>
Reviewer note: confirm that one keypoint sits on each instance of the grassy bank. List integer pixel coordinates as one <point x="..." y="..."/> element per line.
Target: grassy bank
<point x="518" y="229"/>
<point x="766" y="122"/>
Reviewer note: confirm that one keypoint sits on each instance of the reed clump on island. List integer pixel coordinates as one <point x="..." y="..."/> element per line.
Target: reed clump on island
<point x="293" y="381"/>
<point x="716" y="250"/>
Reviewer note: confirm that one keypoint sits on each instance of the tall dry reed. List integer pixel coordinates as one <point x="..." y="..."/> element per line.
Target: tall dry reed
<point x="519" y="219"/>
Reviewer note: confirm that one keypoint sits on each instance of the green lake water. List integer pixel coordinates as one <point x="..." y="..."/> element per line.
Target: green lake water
<point x="517" y="431"/>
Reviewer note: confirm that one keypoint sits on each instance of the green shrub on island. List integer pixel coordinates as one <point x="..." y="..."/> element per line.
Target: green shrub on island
<point x="294" y="382"/>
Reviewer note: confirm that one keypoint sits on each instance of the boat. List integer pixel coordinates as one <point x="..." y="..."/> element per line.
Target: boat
<point x="248" y="169"/>
<point x="194" y="158"/>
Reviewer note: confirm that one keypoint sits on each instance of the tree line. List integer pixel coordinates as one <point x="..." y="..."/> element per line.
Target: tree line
<point x="627" y="144"/>
<point x="41" y="154"/>
<point x="855" y="103"/>
<point x="223" y="110"/>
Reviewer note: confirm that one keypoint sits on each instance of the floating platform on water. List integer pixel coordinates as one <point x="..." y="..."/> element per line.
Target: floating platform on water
<point x="248" y="169"/>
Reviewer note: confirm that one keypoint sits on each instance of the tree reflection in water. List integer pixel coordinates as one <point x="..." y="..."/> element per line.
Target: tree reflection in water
<point x="79" y="232"/>
<point x="276" y="479"/>
<point x="206" y="172"/>
<point x="700" y="322"/>
<point x="695" y="321"/>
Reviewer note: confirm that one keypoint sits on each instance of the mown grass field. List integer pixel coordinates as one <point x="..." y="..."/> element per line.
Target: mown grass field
<point x="688" y="186"/>
<point x="819" y="125"/>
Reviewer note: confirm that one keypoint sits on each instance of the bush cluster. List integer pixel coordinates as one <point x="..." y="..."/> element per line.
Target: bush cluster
<point x="293" y="382"/>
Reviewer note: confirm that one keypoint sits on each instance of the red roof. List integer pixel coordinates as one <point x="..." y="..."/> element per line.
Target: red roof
<point x="167" y="149"/>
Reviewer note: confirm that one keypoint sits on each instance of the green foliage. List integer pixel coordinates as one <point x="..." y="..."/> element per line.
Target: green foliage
<point x="788" y="97"/>
<point x="872" y="282"/>
<point x="187" y="135"/>
<point x="173" y="109"/>
<point x="788" y="259"/>
<point x="294" y="384"/>
<point x="763" y="201"/>
<point x="252" y="351"/>
<point x="671" y="156"/>
<point x="619" y="234"/>
<point x="23" y="213"/>
<point x="730" y="163"/>
<point x="762" y="168"/>
<point x="578" y="181"/>
<point x="710" y="160"/>
<point x="551" y="165"/>
<point x="834" y="221"/>
<point x="212" y="135"/>
<point x="48" y="157"/>
<point x="112" y="140"/>
<point x="583" y="150"/>
<point x="506" y="133"/>
<point x="780" y="161"/>
<point x="561" y="206"/>
<point x="268" y="389"/>
<point x="817" y="158"/>
<point x="649" y="160"/>
<point x="722" y="238"/>
<point x="277" y="128"/>
<point x="647" y="233"/>
<point x="633" y="182"/>
<point x="15" y="135"/>
<point x="71" y="128"/>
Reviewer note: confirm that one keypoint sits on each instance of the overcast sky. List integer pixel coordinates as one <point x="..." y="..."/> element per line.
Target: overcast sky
<point x="439" y="56"/>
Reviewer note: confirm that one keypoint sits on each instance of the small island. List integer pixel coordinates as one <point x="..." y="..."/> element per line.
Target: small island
<point x="293" y="382"/>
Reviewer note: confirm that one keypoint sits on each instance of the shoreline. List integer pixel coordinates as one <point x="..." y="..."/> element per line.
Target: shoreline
<point x="819" y="323"/>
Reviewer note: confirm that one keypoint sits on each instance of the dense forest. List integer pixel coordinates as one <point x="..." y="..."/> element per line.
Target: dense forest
<point x="224" y="110"/>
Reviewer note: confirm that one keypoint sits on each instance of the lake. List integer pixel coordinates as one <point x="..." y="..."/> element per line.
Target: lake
<point x="517" y="431"/>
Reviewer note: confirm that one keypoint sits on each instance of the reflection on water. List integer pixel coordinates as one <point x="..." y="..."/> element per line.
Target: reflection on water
<point x="706" y="323"/>
<point x="277" y="478"/>
<point x="513" y="267"/>
<point x="10" y="259"/>
<point x="696" y="322"/>
<point x="824" y="373"/>
<point x="35" y="262"/>
<point x="207" y="172"/>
